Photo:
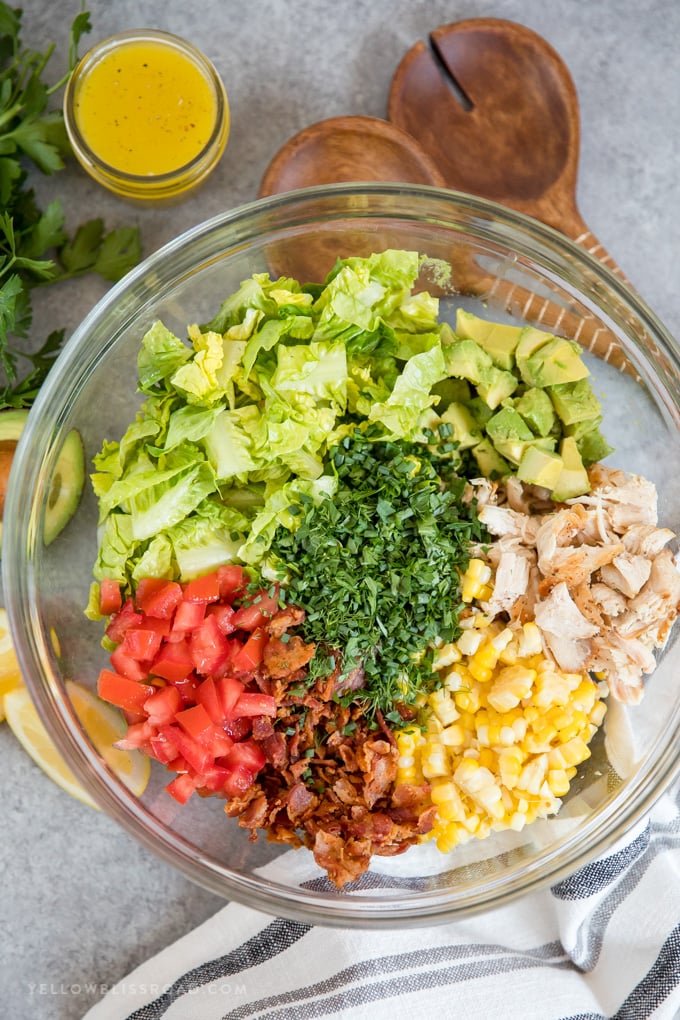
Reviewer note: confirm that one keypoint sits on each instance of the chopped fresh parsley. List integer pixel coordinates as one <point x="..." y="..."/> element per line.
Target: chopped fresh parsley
<point x="377" y="567"/>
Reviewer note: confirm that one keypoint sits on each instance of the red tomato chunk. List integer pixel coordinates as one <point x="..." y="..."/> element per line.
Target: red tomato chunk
<point x="183" y="672"/>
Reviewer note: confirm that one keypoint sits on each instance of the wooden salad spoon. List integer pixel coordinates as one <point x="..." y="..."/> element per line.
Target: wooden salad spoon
<point x="495" y="107"/>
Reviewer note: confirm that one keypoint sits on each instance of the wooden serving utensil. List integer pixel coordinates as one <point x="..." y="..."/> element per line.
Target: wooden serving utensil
<point x="496" y="108"/>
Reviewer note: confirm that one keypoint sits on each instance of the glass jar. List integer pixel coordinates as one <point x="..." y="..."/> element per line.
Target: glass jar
<point x="147" y="115"/>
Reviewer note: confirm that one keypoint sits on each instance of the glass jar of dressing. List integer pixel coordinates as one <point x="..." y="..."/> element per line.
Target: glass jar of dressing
<point x="147" y="115"/>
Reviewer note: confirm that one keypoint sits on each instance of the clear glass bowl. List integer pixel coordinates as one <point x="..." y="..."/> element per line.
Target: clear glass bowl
<point x="504" y="266"/>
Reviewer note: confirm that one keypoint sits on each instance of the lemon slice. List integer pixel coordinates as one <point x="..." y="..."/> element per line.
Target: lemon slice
<point x="102" y="724"/>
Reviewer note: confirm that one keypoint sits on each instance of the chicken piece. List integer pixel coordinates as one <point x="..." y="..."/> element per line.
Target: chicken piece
<point x="504" y="522"/>
<point x="629" y="500"/>
<point x="558" y="531"/>
<point x="573" y="566"/>
<point x="517" y="495"/>
<point x="646" y="540"/>
<point x="611" y="602"/>
<point x="627" y="573"/>
<point x="511" y="580"/>
<point x="657" y="604"/>
<point x="558" y="614"/>
<point x="570" y="654"/>
<point x="623" y="661"/>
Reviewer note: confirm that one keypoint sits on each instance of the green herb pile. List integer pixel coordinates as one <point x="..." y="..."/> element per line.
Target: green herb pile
<point x="34" y="246"/>
<point x="377" y="566"/>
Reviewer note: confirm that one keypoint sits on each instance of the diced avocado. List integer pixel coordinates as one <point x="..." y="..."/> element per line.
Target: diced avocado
<point x="574" y="401"/>
<point x="579" y="428"/>
<point x="466" y="431"/>
<point x="540" y="467"/>
<point x="450" y="390"/>
<point x="499" y="341"/>
<point x="481" y="411"/>
<point x="496" y="385"/>
<point x="536" y="408"/>
<point x="593" y="446"/>
<point x="530" y="340"/>
<point x="489" y="460"/>
<point x="66" y="484"/>
<point x="558" y="361"/>
<point x="509" y="433"/>
<point x="465" y="359"/>
<point x="573" y="480"/>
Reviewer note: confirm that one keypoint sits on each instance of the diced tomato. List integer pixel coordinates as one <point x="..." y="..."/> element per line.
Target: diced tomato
<point x="158" y="626"/>
<point x="232" y="579"/>
<point x="208" y="646"/>
<point x="123" y="692"/>
<point x="213" y="778"/>
<point x="195" y="721"/>
<point x="174" y="662"/>
<point x="246" y="754"/>
<point x="250" y="655"/>
<point x="137" y="738"/>
<point x="123" y="620"/>
<point x="255" y="704"/>
<point x="208" y="696"/>
<point x="203" y="589"/>
<point x="187" y="689"/>
<point x="164" y="750"/>
<point x="141" y="644"/>
<point x="239" y="780"/>
<point x="110" y="597"/>
<point x="162" y="707"/>
<point x="127" y="666"/>
<point x="157" y="597"/>
<point x="197" y="756"/>
<point x="188" y="616"/>
<point x="229" y="691"/>
<point x="258" y="611"/>
<point x="181" y="788"/>
<point x="224" y="614"/>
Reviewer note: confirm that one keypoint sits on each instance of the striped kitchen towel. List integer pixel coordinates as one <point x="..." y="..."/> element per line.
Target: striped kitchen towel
<point x="601" y="944"/>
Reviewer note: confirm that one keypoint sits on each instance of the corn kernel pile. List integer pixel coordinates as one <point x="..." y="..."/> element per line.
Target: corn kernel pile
<point x="500" y="739"/>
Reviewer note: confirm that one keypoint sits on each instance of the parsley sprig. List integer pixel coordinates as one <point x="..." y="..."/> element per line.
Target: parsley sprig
<point x="34" y="247"/>
<point x="377" y="566"/>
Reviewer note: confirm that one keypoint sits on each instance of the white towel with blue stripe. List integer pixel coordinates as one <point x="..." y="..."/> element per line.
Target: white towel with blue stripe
<point x="602" y="944"/>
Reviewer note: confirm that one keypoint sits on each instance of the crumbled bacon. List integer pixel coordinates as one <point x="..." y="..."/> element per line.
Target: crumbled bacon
<point x="329" y="780"/>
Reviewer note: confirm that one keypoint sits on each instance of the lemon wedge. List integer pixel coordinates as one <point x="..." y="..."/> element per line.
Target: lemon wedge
<point x="101" y="722"/>
<point x="10" y="677"/>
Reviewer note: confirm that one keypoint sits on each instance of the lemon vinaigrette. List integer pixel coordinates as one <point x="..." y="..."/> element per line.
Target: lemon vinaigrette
<point x="147" y="115"/>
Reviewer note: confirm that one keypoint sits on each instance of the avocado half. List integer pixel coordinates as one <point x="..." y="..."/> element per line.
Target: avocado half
<point x="66" y="485"/>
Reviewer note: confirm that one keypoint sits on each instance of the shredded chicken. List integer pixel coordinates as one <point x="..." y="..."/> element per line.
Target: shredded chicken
<point x="596" y="574"/>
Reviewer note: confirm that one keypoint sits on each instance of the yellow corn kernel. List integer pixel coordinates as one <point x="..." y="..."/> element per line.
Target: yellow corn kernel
<point x="444" y="706"/>
<point x="575" y="751"/>
<point x="558" y="782"/>
<point x="467" y="700"/>
<point x="445" y="656"/>
<point x="453" y="736"/>
<point x="511" y="686"/>
<point x="478" y="573"/>
<point x="434" y="761"/>
<point x="510" y="654"/>
<point x="529" y="641"/>
<point x="469" y="641"/>
<point x="447" y="838"/>
<point x="597" y="713"/>
<point x="488" y="759"/>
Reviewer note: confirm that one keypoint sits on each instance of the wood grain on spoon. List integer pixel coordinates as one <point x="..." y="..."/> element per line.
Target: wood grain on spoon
<point x="496" y="108"/>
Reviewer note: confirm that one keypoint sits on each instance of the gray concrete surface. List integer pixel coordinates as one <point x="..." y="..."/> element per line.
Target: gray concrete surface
<point x="81" y="903"/>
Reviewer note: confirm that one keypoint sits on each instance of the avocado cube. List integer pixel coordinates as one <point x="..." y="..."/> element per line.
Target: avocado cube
<point x="540" y="467"/>
<point x="536" y="408"/>
<point x="480" y="411"/>
<point x="558" y="361"/>
<point x="496" y="385"/>
<point x="574" y="401"/>
<point x="450" y="390"/>
<point x="466" y="431"/>
<point x="573" y="480"/>
<point x="593" y="446"/>
<point x="509" y="433"/>
<point x="465" y="359"/>
<point x="489" y="460"/>
<point x="499" y="341"/>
